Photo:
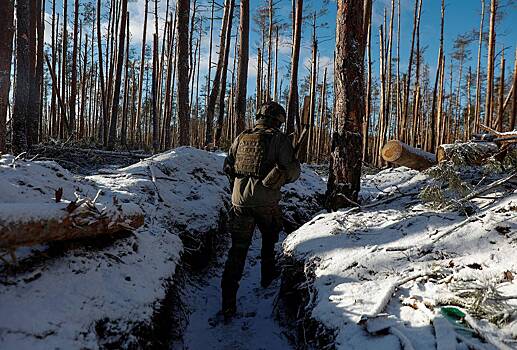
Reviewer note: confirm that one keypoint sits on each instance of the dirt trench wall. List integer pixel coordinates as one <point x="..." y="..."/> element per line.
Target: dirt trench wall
<point x="296" y="301"/>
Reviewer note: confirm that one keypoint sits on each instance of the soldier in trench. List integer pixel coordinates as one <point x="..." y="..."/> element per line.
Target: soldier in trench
<point x="260" y="161"/>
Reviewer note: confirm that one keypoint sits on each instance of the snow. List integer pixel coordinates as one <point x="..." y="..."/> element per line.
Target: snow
<point x="103" y="292"/>
<point x="61" y="301"/>
<point x="358" y="280"/>
<point x="254" y="328"/>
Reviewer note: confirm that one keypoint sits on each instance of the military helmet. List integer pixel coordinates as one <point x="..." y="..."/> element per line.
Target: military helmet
<point x="272" y="110"/>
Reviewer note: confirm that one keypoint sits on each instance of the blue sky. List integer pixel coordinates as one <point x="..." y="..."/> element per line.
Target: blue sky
<point x="461" y="16"/>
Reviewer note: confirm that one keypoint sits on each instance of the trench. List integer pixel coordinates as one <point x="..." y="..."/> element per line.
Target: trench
<point x="277" y="317"/>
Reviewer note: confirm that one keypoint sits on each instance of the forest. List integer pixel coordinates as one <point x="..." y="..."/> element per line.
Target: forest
<point x="117" y="119"/>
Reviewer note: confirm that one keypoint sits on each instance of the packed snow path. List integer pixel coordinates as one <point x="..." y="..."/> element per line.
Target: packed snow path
<point x="254" y="327"/>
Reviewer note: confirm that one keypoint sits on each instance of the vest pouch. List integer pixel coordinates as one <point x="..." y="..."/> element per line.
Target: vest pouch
<point x="275" y="179"/>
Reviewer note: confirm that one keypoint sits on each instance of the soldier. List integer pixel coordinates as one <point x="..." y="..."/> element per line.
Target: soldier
<point x="259" y="162"/>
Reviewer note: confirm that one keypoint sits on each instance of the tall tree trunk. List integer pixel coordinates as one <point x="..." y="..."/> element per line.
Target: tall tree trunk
<point x="410" y="66"/>
<point x="214" y="93"/>
<point x="346" y="152"/>
<point x="499" y="121"/>
<point x="490" y="64"/>
<point x="513" y="114"/>
<point x="183" y="9"/>
<point x="477" y="108"/>
<point x="222" y="88"/>
<point x="22" y="84"/>
<point x="242" y="70"/>
<point x="292" y="107"/>
<point x="155" y="121"/>
<point x="141" y="75"/>
<point x="73" y="87"/>
<point x="6" y="54"/>
<point x="433" y="132"/>
<point x="118" y="76"/>
<point x="104" y="103"/>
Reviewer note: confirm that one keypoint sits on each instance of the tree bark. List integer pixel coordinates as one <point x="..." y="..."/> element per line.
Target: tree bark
<point x="490" y="64"/>
<point x="118" y="76"/>
<point x="346" y="151"/>
<point x="73" y="87"/>
<point x="513" y="114"/>
<point x="6" y="54"/>
<point x="242" y="70"/>
<point x="60" y="224"/>
<point x="183" y="10"/>
<point x="22" y="85"/>
<point x="402" y="154"/>
<point x="214" y="92"/>
<point x="293" y="107"/>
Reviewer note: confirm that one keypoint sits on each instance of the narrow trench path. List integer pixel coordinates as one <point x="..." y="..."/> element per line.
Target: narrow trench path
<point x="253" y="328"/>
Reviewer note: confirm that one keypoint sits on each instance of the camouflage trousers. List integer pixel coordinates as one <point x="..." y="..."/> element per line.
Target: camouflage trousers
<point x="242" y="225"/>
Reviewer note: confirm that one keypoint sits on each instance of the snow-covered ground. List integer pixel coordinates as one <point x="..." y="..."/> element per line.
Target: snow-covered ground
<point x="382" y="274"/>
<point x="254" y="328"/>
<point x="106" y="292"/>
<point x="89" y="295"/>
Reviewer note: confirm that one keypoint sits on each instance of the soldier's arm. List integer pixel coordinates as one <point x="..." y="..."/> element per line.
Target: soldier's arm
<point x="287" y="160"/>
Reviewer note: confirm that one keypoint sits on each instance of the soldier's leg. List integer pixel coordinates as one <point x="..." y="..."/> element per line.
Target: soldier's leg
<point x="269" y="221"/>
<point x="241" y="228"/>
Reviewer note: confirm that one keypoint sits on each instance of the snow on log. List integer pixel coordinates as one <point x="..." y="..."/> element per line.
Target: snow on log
<point x="399" y="153"/>
<point x="470" y="153"/>
<point x="26" y="224"/>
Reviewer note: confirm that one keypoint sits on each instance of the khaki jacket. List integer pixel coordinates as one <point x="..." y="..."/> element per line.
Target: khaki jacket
<point x="248" y="191"/>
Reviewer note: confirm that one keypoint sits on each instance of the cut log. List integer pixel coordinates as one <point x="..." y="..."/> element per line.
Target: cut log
<point x="399" y="153"/>
<point x="27" y="224"/>
<point x="468" y="153"/>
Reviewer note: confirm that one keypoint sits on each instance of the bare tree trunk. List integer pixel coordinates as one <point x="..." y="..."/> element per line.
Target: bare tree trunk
<point x="292" y="107"/>
<point x="275" y="90"/>
<point x="73" y="86"/>
<point x="477" y="110"/>
<point x="104" y="103"/>
<point x="490" y="64"/>
<point x="513" y="114"/>
<point x="346" y="153"/>
<point x="214" y="93"/>
<point x="22" y="84"/>
<point x="155" y="121"/>
<point x="6" y="54"/>
<point x="242" y="70"/>
<point x="118" y="76"/>
<point x="434" y="117"/>
<point x="368" y="92"/>
<point x="499" y="121"/>
<point x="183" y="11"/>
<point x="222" y="89"/>
<point x="123" y="130"/>
<point x="141" y="76"/>
<point x="269" y="51"/>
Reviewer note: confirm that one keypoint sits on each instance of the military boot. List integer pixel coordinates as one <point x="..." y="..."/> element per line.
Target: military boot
<point x="229" y="305"/>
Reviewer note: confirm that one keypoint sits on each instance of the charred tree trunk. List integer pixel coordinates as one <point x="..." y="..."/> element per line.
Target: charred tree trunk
<point x="292" y="107"/>
<point x="346" y="151"/>
<point x="6" y="54"/>
<point x="183" y="10"/>
<point x="242" y="70"/>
